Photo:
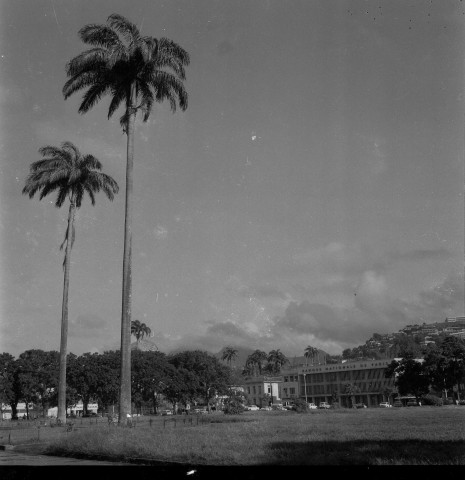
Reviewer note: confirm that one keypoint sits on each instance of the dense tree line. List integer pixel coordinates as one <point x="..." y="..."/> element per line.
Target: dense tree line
<point x="156" y="378"/>
<point x="441" y="370"/>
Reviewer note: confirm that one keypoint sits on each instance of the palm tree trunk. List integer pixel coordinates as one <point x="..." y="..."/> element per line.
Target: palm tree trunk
<point x="125" y="380"/>
<point x="61" y="414"/>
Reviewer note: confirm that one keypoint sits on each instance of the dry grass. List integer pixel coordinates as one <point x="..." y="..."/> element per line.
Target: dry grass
<point x="405" y="436"/>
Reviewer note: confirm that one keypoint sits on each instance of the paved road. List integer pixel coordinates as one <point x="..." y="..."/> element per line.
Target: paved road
<point x="12" y="458"/>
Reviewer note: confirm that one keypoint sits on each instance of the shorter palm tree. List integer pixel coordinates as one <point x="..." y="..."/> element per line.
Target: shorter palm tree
<point x="72" y="175"/>
<point x="229" y="354"/>
<point x="277" y="360"/>
<point x="139" y="330"/>
<point x="310" y="352"/>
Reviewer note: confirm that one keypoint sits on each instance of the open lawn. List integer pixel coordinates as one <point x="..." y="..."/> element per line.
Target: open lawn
<point x="395" y="436"/>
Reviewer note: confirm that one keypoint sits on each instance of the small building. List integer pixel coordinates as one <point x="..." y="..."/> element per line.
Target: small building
<point x="263" y="390"/>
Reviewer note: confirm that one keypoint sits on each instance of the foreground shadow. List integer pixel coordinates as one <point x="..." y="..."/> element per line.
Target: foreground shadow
<point x="368" y="452"/>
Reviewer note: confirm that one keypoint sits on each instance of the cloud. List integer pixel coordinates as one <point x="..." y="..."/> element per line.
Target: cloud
<point x="332" y="328"/>
<point x="261" y="291"/>
<point x="88" y="325"/>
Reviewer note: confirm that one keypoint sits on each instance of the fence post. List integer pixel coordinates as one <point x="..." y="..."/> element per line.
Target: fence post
<point x="9" y="438"/>
<point x="38" y="432"/>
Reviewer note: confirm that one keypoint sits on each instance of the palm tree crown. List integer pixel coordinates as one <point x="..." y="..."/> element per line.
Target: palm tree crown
<point x="310" y="352"/>
<point x="139" y="330"/>
<point x="229" y="354"/>
<point x="276" y="359"/>
<point x="70" y="173"/>
<point x="130" y="67"/>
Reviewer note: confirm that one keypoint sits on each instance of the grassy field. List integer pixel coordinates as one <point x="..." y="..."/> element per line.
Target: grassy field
<point x="396" y="436"/>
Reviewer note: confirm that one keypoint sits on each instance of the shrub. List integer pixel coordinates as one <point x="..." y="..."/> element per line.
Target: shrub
<point x="300" y="405"/>
<point x="234" y="406"/>
<point x="432" y="400"/>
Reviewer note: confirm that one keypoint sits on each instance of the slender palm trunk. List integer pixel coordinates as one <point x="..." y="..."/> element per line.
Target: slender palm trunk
<point x="61" y="415"/>
<point x="125" y="380"/>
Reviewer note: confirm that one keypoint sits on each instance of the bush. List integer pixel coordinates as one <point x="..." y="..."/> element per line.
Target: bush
<point x="432" y="400"/>
<point x="234" y="407"/>
<point x="300" y="405"/>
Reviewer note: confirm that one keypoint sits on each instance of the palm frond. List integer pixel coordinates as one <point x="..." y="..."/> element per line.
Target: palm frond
<point x="50" y="151"/>
<point x="90" y="192"/>
<point x="87" y="61"/>
<point x="119" y="95"/>
<point x="100" y="35"/>
<point x="169" y="49"/>
<point x="89" y="162"/>
<point x="81" y="81"/>
<point x="127" y="29"/>
<point x="78" y="191"/>
<point x="92" y="96"/>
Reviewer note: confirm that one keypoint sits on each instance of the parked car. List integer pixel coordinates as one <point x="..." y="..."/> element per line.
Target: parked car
<point x="385" y="405"/>
<point x="324" y="405"/>
<point x="412" y="403"/>
<point x="166" y="412"/>
<point x="360" y="405"/>
<point x="253" y="408"/>
<point x="266" y="408"/>
<point x="312" y="406"/>
<point x="277" y="406"/>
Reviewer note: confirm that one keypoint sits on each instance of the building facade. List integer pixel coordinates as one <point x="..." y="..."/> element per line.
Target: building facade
<point x="359" y="382"/>
<point x="263" y="391"/>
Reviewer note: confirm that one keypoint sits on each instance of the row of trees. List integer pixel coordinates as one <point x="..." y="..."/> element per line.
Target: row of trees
<point x="189" y="376"/>
<point x="260" y="362"/>
<point x="442" y="370"/>
<point x="135" y="71"/>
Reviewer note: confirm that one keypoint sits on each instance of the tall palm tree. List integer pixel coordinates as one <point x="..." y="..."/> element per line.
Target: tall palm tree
<point x="72" y="175"/>
<point x="139" y="330"/>
<point x="229" y="354"/>
<point x="277" y="359"/>
<point x="257" y="358"/>
<point x="310" y="352"/>
<point x="135" y="71"/>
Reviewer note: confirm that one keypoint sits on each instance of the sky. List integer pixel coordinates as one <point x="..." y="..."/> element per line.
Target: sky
<point x="311" y="193"/>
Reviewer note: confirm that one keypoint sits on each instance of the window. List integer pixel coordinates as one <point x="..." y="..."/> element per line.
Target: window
<point x="254" y="390"/>
<point x="248" y="389"/>
<point x="286" y="379"/>
<point x="260" y="390"/>
<point x="285" y="391"/>
<point x="269" y="389"/>
<point x="292" y="391"/>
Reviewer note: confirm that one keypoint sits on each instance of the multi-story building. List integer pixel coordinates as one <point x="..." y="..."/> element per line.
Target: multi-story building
<point x="363" y="381"/>
<point x="290" y="387"/>
<point x="263" y="390"/>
